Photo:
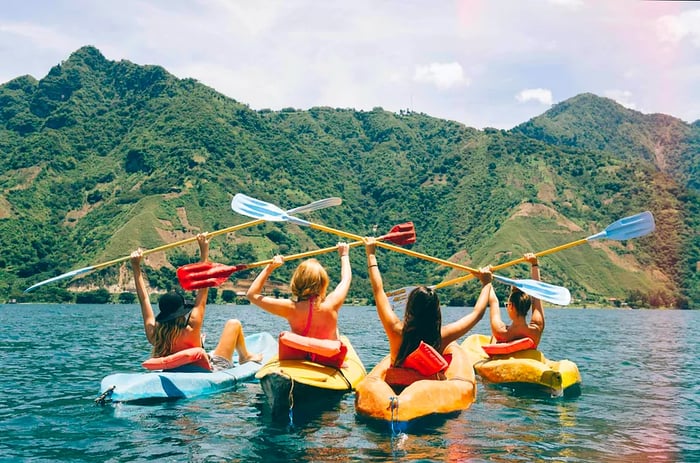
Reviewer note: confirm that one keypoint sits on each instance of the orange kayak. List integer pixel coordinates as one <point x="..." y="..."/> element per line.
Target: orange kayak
<point x="375" y="398"/>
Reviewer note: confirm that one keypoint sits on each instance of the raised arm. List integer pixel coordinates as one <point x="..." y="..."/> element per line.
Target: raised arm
<point x="200" y="303"/>
<point x="280" y="307"/>
<point x="337" y="297"/>
<point x="391" y="323"/>
<point x="149" y="320"/>
<point x="537" y="319"/>
<point x="487" y="297"/>
<point x="498" y="328"/>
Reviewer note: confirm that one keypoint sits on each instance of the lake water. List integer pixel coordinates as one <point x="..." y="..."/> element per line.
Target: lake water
<point x="640" y="399"/>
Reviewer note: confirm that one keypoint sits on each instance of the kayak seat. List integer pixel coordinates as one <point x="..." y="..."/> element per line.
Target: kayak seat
<point x="503" y="348"/>
<point x="329" y="352"/>
<point x="398" y="377"/>
<point x="192" y="359"/>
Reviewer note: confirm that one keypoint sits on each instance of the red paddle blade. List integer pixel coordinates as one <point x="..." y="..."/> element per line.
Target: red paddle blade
<point x="401" y="234"/>
<point x="205" y="274"/>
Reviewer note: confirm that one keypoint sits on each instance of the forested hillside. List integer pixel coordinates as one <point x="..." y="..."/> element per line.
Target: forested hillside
<point x="101" y="157"/>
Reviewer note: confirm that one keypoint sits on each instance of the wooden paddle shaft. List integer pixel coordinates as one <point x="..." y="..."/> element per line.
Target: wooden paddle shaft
<point x="191" y="239"/>
<point x="302" y="255"/>
<point x="394" y="248"/>
<point x="495" y="268"/>
<point x="316" y="252"/>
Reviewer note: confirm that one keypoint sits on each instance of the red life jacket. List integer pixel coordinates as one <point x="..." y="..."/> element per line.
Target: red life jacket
<point x="423" y="363"/>
<point x="502" y="348"/>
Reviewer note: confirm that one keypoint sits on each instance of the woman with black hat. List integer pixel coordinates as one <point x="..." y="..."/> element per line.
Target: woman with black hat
<point x="178" y="325"/>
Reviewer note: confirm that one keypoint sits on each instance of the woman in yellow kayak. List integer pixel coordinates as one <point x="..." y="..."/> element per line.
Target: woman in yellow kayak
<point x="311" y="312"/>
<point x="178" y="325"/>
<point x="518" y="306"/>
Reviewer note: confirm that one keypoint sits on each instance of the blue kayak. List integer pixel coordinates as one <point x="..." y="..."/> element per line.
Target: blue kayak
<point x="160" y="385"/>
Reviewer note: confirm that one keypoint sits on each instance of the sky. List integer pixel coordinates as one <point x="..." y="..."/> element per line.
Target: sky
<point x="484" y="63"/>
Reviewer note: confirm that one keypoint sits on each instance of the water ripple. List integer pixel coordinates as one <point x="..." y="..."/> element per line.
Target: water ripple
<point x="640" y="397"/>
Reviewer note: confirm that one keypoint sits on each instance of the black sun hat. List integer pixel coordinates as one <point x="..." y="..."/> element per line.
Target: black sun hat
<point x="172" y="305"/>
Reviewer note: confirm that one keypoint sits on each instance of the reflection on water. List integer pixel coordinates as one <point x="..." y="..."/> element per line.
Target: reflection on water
<point x="640" y="398"/>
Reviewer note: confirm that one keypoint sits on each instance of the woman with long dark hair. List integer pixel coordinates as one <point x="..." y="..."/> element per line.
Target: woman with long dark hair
<point x="422" y="318"/>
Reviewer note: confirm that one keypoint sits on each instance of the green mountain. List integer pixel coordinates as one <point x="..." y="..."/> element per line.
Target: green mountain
<point x="101" y="157"/>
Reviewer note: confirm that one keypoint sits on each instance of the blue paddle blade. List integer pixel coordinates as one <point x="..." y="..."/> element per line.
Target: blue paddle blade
<point x="257" y="209"/>
<point x="399" y="297"/>
<point x="316" y="205"/>
<point x="544" y="291"/>
<point x="71" y="274"/>
<point x="633" y="226"/>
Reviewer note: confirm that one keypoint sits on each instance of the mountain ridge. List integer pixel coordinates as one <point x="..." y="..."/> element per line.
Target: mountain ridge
<point x="101" y="157"/>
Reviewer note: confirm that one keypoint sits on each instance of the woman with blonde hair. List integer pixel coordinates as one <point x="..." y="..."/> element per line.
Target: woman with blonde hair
<point x="310" y="311"/>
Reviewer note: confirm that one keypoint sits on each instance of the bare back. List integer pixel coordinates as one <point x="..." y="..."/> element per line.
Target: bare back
<point x="520" y="329"/>
<point x="190" y="337"/>
<point x="321" y="322"/>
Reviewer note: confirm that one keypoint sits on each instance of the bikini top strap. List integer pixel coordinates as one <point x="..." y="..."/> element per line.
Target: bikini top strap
<point x="308" y="319"/>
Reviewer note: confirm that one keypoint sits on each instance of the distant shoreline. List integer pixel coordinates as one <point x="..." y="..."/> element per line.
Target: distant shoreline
<point x="591" y="307"/>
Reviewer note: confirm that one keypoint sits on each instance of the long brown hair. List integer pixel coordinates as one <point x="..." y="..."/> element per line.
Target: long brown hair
<point x="521" y="301"/>
<point x="309" y="279"/>
<point x="165" y="335"/>
<point x="422" y="322"/>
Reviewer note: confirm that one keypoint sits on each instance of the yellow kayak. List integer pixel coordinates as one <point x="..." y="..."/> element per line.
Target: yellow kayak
<point x="290" y="383"/>
<point x="525" y="369"/>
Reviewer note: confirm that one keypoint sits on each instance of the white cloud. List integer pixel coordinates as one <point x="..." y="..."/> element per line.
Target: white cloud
<point x="474" y="61"/>
<point x="674" y="29"/>
<point x="42" y="37"/>
<point x="541" y="95"/>
<point x="442" y="75"/>
<point x="572" y="4"/>
<point x="624" y="97"/>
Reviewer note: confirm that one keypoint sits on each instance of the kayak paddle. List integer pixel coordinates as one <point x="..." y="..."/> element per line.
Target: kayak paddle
<point x="207" y="274"/>
<point x="626" y="228"/>
<point x="553" y="294"/>
<point x="314" y="206"/>
<point x="258" y="209"/>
